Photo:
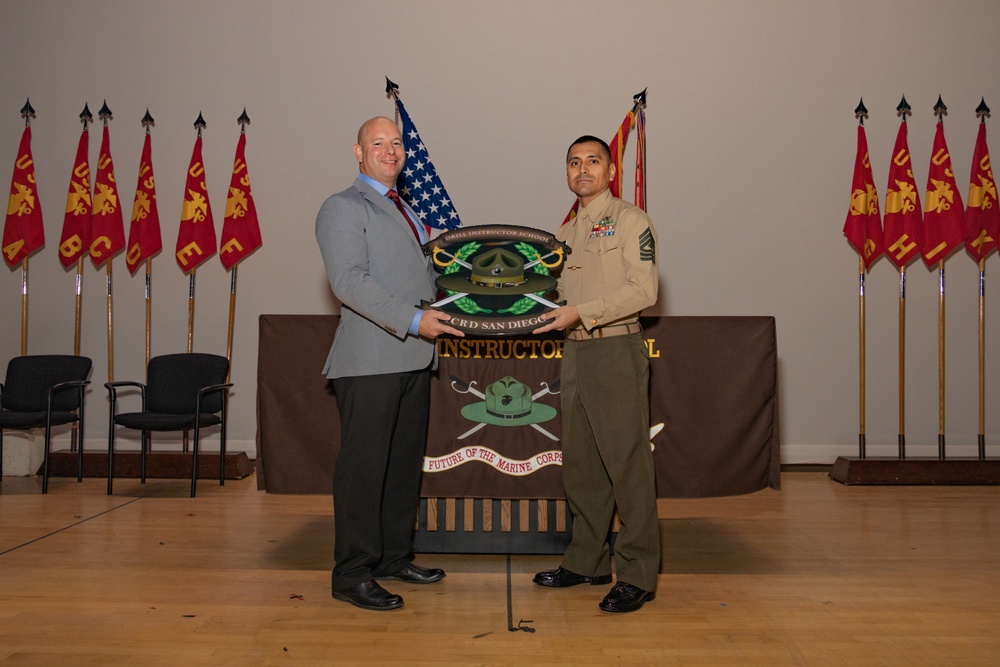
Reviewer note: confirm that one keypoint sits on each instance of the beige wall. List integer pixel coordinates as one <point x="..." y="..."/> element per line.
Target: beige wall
<point x="751" y="140"/>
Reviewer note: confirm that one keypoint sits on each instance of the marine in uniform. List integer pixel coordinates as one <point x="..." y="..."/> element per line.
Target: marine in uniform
<point x="609" y="278"/>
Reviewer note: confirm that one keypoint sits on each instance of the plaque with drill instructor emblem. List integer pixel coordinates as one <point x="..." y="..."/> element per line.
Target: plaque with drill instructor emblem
<point x="496" y="279"/>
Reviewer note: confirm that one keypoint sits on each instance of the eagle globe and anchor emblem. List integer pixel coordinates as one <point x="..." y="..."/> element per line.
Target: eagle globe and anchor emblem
<point x="496" y="277"/>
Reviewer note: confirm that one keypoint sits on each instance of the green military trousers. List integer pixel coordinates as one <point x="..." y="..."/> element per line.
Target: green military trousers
<point x="607" y="459"/>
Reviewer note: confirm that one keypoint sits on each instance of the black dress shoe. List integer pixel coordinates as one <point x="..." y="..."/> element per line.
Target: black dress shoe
<point x="625" y="597"/>
<point x="369" y="595"/>
<point x="414" y="574"/>
<point x="561" y="578"/>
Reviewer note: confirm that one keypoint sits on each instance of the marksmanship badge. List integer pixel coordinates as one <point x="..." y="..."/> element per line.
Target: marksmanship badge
<point x="496" y="277"/>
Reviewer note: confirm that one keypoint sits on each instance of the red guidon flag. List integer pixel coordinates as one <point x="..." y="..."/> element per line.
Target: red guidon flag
<point x="144" y="231"/>
<point x="982" y="217"/>
<point x="75" y="237"/>
<point x="196" y="236"/>
<point x="240" y="229"/>
<point x="902" y="205"/>
<point x="944" y="217"/>
<point x="107" y="231"/>
<point x="863" y="227"/>
<point x="617" y="146"/>
<point x="23" y="232"/>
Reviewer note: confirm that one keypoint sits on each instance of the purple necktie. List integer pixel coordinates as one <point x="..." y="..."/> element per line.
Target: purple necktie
<point x="394" y="196"/>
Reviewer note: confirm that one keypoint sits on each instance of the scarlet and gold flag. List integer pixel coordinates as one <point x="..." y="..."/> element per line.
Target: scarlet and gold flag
<point x="196" y="236"/>
<point x="863" y="227"/>
<point x="23" y="231"/>
<point x="240" y="228"/>
<point x="75" y="237"/>
<point x="982" y="216"/>
<point x="902" y="205"/>
<point x="617" y="146"/>
<point x="944" y="216"/>
<point x="144" y="231"/>
<point x="107" y="231"/>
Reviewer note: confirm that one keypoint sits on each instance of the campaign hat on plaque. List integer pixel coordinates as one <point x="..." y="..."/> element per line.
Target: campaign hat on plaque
<point x="496" y="278"/>
<point x="508" y="403"/>
<point x="496" y="271"/>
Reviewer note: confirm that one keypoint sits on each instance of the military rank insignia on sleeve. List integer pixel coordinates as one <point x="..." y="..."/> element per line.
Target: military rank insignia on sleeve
<point x="647" y="246"/>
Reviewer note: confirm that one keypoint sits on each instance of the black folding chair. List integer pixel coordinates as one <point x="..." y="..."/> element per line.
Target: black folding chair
<point x="44" y="390"/>
<point x="182" y="392"/>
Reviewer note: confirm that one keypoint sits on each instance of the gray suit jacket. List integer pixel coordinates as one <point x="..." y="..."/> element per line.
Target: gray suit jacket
<point x="379" y="272"/>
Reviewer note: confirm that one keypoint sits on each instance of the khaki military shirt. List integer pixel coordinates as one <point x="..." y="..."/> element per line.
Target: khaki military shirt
<point x="612" y="274"/>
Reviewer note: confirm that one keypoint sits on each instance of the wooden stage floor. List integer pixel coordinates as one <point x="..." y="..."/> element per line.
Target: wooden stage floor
<point x="815" y="574"/>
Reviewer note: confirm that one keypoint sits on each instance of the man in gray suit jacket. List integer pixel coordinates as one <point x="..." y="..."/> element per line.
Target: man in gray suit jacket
<point x="380" y="365"/>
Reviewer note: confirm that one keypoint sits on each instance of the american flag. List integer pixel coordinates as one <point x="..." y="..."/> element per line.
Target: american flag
<point x="419" y="183"/>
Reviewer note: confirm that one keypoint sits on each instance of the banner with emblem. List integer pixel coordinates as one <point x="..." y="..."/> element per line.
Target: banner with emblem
<point x="863" y="227"/>
<point x="240" y="228"/>
<point x="902" y="205"/>
<point x="23" y="230"/>
<point x="144" y="239"/>
<point x="107" y="231"/>
<point x="982" y="215"/>
<point x="75" y="239"/>
<point x="196" y="236"/>
<point x="944" y="216"/>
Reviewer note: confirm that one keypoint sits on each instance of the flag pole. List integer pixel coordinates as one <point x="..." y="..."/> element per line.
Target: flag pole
<point x="111" y="329"/>
<point x="86" y="118"/>
<point x="149" y="308"/>
<point x="861" y="356"/>
<point x="232" y="318"/>
<point x="982" y="358"/>
<point x="901" y="200"/>
<point x="190" y="337"/>
<point x="940" y="110"/>
<point x="941" y="443"/>
<point x="902" y="362"/>
<point x="982" y="112"/>
<point x="24" y="306"/>
<point x="639" y="193"/>
<point x="199" y="124"/>
<point x="860" y="112"/>
<point x="147" y="122"/>
<point x="243" y="121"/>
<point x="105" y="114"/>
<point x="27" y="112"/>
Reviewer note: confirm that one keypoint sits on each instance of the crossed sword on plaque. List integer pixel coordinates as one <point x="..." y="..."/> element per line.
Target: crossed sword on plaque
<point x="465" y="265"/>
<point x="467" y="388"/>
